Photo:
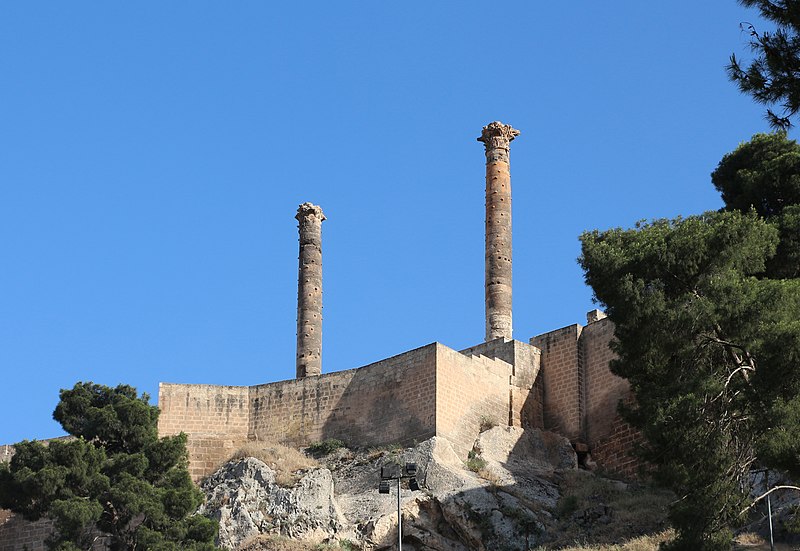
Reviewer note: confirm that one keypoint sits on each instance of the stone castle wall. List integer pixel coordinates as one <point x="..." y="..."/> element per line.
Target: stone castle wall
<point x="581" y="395"/>
<point x="18" y="534"/>
<point x="388" y="402"/>
<point x="604" y="390"/>
<point x="562" y="380"/>
<point x="401" y="400"/>
<point x="215" y="418"/>
<point x="471" y="391"/>
<point x="613" y="451"/>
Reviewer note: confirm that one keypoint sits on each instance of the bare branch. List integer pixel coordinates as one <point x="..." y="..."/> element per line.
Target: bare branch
<point x="741" y="368"/>
<point x="765" y="494"/>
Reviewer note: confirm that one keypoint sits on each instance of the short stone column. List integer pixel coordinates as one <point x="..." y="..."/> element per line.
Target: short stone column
<point x="309" y="291"/>
<point x="497" y="137"/>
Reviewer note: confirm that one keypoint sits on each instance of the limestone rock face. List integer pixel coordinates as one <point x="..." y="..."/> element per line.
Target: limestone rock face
<point x="503" y="506"/>
<point x="244" y="497"/>
<point x="523" y="461"/>
<point x="526" y="450"/>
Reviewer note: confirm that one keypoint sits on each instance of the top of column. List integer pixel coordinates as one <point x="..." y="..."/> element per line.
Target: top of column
<point x="307" y="209"/>
<point x="497" y="138"/>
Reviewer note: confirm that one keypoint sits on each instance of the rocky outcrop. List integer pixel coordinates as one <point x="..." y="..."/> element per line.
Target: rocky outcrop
<point x="244" y="497"/>
<point x="502" y="498"/>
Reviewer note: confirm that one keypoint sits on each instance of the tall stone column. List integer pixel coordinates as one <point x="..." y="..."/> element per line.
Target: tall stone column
<point x="497" y="137"/>
<point x="309" y="291"/>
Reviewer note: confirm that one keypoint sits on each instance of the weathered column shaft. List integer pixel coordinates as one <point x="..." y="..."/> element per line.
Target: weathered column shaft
<point x="309" y="291"/>
<point x="497" y="137"/>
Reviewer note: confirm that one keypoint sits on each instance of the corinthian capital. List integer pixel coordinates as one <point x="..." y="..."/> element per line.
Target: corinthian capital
<point x="307" y="210"/>
<point x="497" y="137"/>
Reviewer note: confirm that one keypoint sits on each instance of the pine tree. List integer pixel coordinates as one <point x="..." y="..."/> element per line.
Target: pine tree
<point x="116" y="477"/>
<point x="764" y="175"/>
<point x="772" y="78"/>
<point x="707" y="331"/>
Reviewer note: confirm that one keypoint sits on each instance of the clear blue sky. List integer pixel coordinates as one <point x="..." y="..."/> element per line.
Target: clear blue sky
<point x="153" y="154"/>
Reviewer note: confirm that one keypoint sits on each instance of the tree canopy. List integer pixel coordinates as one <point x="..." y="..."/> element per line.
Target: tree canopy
<point x="773" y="76"/>
<point x="707" y="332"/>
<point x="115" y="479"/>
<point x="764" y="175"/>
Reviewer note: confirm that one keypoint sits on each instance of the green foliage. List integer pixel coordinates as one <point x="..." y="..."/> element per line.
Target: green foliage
<point x="474" y="462"/>
<point x="786" y="263"/>
<point x="772" y="76"/>
<point x="711" y="350"/>
<point x="116" y="419"/>
<point x="566" y="506"/>
<point x="116" y="476"/>
<point x="326" y="447"/>
<point x="764" y="175"/>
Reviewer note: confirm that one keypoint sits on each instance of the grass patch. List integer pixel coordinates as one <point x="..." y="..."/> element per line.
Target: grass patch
<point x="524" y="519"/>
<point x="274" y="543"/>
<point x="487" y="422"/>
<point x="326" y="447"/>
<point x="642" y="543"/>
<point x="343" y="545"/>
<point x="285" y="461"/>
<point x="602" y="511"/>
<point x="566" y="506"/>
<point x="750" y="539"/>
<point x="282" y="543"/>
<point x="393" y="448"/>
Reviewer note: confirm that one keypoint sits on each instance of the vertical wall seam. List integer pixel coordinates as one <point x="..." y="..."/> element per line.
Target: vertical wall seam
<point x="582" y="386"/>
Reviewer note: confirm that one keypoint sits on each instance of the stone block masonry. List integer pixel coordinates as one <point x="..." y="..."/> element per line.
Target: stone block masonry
<point x="432" y="390"/>
<point x="604" y="390"/>
<point x="388" y="402"/>
<point x="614" y="450"/>
<point x="17" y="534"/>
<point x="391" y="401"/>
<point x="216" y="420"/>
<point x="204" y="409"/>
<point x="6" y="453"/>
<point x="581" y="395"/>
<point x="559" y="382"/>
<point x="562" y="380"/>
<point x="474" y="390"/>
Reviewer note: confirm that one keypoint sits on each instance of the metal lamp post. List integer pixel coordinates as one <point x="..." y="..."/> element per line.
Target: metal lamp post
<point x="397" y="472"/>
<point x="769" y="504"/>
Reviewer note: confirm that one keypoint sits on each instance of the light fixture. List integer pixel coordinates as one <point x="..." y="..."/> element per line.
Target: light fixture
<point x="394" y="471"/>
